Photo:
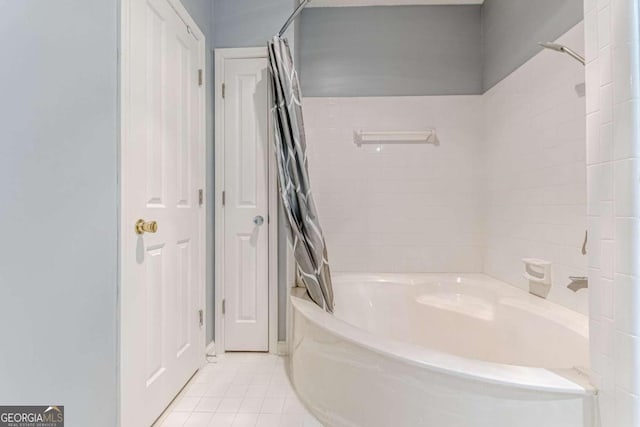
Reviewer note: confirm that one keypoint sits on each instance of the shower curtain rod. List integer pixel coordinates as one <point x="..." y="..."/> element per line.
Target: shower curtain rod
<point x="293" y="17"/>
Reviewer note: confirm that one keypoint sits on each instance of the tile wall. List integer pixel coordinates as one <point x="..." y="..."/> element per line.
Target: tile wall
<point x="398" y="208"/>
<point x="613" y="181"/>
<point x="535" y="187"/>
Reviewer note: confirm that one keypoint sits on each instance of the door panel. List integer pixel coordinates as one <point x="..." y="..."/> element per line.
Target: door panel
<point x="155" y="331"/>
<point x="246" y="187"/>
<point x="162" y="341"/>
<point x="154" y="105"/>
<point x="184" y="300"/>
<point x="248" y="282"/>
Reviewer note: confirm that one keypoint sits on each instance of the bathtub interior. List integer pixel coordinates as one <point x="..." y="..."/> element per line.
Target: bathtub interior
<point x="467" y="315"/>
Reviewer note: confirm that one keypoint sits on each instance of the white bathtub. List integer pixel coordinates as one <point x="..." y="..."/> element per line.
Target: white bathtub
<point x="440" y="350"/>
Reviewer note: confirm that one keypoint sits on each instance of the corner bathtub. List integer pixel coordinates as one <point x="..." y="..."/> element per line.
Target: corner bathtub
<point x="440" y="350"/>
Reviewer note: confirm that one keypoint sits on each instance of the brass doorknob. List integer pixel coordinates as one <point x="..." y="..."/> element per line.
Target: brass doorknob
<point x="143" y="226"/>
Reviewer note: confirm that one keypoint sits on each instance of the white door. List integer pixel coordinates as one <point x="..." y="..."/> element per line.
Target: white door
<point x="246" y="240"/>
<point x="162" y="339"/>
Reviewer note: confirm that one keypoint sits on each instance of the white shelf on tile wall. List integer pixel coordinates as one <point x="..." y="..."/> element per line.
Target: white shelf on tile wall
<point x="396" y="137"/>
<point x="538" y="273"/>
<point x="537" y="270"/>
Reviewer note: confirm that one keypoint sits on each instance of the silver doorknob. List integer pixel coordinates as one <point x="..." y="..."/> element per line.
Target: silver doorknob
<point x="259" y="220"/>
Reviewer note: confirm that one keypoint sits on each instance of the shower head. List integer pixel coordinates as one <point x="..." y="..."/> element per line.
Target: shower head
<point x="561" y="48"/>
<point x="553" y="46"/>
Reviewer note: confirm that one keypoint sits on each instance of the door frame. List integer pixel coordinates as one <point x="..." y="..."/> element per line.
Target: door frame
<point x="123" y="102"/>
<point x="221" y="55"/>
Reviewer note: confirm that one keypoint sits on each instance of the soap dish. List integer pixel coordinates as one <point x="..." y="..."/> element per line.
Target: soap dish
<point x="538" y="273"/>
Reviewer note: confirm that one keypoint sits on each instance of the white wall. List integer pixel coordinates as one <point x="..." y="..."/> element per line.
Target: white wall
<point x="613" y="171"/>
<point x="59" y="207"/>
<point x="535" y="189"/>
<point x="410" y="208"/>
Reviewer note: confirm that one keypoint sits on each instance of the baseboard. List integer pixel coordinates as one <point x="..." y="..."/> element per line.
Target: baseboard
<point x="283" y="348"/>
<point x="211" y="349"/>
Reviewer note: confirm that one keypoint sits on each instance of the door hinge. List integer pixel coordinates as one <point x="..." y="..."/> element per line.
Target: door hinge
<point x="201" y="196"/>
<point x="201" y="317"/>
<point x="224" y="306"/>
<point x="224" y="90"/>
<point x="224" y="198"/>
<point x="200" y="77"/>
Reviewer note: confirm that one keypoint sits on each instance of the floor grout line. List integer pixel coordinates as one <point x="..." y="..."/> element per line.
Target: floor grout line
<point x="239" y="390"/>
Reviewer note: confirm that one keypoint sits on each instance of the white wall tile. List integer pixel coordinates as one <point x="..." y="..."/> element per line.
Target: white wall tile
<point x="626" y="363"/>
<point x="628" y="408"/>
<point x="592" y="80"/>
<point x="594" y="151"/>
<point x="606" y="67"/>
<point x="625" y="19"/>
<point x="408" y="208"/>
<point x="626" y="299"/>
<point x="591" y="33"/>
<point x="626" y="182"/>
<point x="606" y="145"/>
<point x="624" y="131"/>
<point x="606" y="100"/>
<point x="607" y="259"/>
<point x="626" y="246"/>
<point x="535" y="170"/>
<point x="613" y="154"/>
<point x="604" y="27"/>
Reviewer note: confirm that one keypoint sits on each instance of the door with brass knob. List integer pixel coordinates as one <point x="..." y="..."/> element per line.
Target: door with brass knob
<point x="143" y="226"/>
<point x="163" y="270"/>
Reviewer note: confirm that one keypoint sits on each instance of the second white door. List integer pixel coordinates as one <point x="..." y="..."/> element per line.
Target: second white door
<point x="246" y="186"/>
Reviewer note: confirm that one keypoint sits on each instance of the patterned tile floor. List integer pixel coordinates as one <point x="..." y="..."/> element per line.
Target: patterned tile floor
<point x="239" y="390"/>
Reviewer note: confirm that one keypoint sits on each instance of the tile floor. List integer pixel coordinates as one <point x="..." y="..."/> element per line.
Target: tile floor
<point x="239" y="390"/>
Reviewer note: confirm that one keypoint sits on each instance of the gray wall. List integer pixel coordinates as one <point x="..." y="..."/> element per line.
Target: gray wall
<point x="248" y="23"/>
<point x="424" y="50"/>
<point x="401" y="50"/>
<point x="59" y="206"/>
<point x="512" y="28"/>
<point x="202" y="12"/>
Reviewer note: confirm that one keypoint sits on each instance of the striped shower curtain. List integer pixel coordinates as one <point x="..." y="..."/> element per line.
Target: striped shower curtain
<point x="309" y="247"/>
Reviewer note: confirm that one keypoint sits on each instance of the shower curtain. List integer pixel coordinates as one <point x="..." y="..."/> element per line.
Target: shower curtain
<point x="305" y="232"/>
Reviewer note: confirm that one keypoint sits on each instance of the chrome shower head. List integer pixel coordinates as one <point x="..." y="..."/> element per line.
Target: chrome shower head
<point x="561" y="48"/>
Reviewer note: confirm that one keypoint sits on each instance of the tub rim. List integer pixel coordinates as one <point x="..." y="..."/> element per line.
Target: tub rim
<point x="569" y="381"/>
<point x="533" y="303"/>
